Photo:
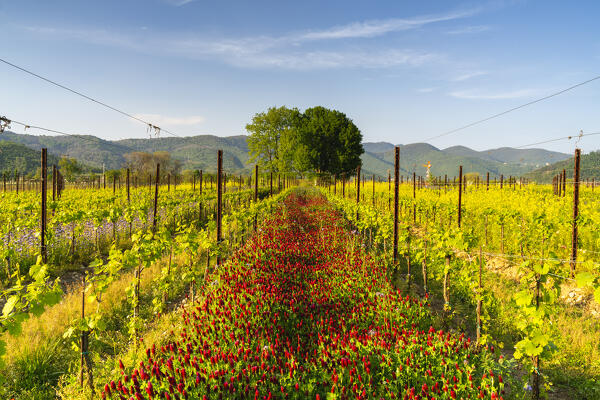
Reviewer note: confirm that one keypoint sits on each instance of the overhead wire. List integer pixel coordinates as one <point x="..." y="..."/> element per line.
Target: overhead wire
<point x="89" y="138"/>
<point x="512" y="109"/>
<point x="78" y="93"/>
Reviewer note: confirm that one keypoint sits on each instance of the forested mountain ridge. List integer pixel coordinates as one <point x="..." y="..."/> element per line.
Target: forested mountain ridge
<point x="199" y="152"/>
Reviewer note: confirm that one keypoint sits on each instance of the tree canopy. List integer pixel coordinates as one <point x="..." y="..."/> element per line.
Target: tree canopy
<point x="319" y="140"/>
<point x="267" y="132"/>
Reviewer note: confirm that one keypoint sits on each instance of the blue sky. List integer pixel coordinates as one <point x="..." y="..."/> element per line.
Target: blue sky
<point x="403" y="71"/>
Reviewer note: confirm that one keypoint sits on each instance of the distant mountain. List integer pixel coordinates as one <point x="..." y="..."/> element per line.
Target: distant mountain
<point x="200" y="152"/>
<point x="413" y="157"/>
<point x="89" y="150"/>
<point x="378" y="147"/>
<point x="589" y="168"/>
<point x="196" y="152"/>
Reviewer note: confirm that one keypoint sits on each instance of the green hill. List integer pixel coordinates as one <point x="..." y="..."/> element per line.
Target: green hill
<point x="413" y="157"/>
<point x="89" y="150"/>
<point x="15" y="156"/>
<point x="589" y="168"/>
<point x="200" y="152"/>
<point x="196" y="152"/>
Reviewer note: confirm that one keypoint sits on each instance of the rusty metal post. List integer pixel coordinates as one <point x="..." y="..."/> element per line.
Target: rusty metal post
<point x="219" y="199"/>
<point x="128" y="185"/>
<point x="157" y="183"/>
<point x="575" y="211"/>
<point x="357" y="189"/>
<point x="44" y="178"/>
<point x="396" y="190"/>
<point x="460" y="189"/>
<point x="255" y="194"/>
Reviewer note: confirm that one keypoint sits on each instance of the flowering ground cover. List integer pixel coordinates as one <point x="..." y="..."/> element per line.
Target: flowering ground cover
<point x="301" y="311"/>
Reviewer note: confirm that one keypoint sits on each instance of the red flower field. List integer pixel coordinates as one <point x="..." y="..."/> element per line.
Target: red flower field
<point x="300" y="312"/>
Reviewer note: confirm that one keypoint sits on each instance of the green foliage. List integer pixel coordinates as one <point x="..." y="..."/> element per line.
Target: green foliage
<point x="328" y="141"/>
<point x="319" y="140"/>
<point x="70" y="167"/>
<point x="589" y="168"/>
<point x="272" y="134"/>
<point x="16" y="157"/>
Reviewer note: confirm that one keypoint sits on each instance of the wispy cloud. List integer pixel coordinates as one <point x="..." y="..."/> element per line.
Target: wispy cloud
<point x="426" y="90"/>
<point x="469" y="29"/>
<point x="179" y="3"/>
<point x="161" y="120"/>
<point x="341" y="59"/>
<point x="468" y="75"/>
<point x="375" y="28"/>
<point x="295" y="50"/>
<point x="478" y="95"/>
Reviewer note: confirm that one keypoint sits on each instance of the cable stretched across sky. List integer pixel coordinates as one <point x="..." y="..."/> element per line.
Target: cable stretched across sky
<point x="88" y="138"/>
<point x="512" y="109"/>
<point x="129" y="115"/>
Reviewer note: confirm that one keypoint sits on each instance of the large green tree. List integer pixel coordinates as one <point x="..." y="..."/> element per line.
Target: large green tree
<point x="328" y="141"/>
<point x="271" y="133"/>
<point x="319" y="140"/>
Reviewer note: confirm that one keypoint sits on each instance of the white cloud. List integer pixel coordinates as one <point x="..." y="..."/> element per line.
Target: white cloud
<point x="179" y="3"/>
<point x="295" y="50"/>
<point x="161" y="120"/>
<point x="478" y="95"/>
<point x="374" y="28"/>
<point x="426" y="90"/>
<point x="469" y="29"/>
<point x="468" y="75"/>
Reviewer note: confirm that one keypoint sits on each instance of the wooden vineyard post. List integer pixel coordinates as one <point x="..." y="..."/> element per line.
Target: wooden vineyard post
<point x="156" y="197"/>
<point x="487" y="181"/>
<point x="168" y="182"/>
<point x="564" y="183"/>
<point x="407" y="255"/>
<point x="389" y="190"/>
<point x="445" y="183"/>
<point x="200" y="182"/>
<point x="575" y="212"/>
<point x="373" y="181"/>
<point x="83" y="344"/>
<point x="44" y="179"/>
<point x="114" y="184"/>
<point x="424" y="266"/>
<point x="255" y="195"/>
<point x="219" y="200"/>
<point x="127" y="183"/>
<point x="536" y="359"/>
<point x="560" y="184"/>
<point x="396" y="187"/>
<point x="479" y="294"/>
<point x="271" y="195"/>
<point x="85" y="338"/>
<point x="335" y="184"/>
<point x="357" y="189"/>
<point x="414" y="198"/>
<point x="460" y="189"/>
<point x="53" y="182"/>
<point x="501" y="181"/>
